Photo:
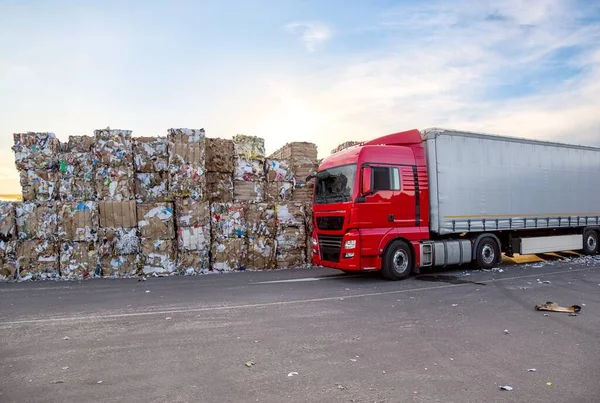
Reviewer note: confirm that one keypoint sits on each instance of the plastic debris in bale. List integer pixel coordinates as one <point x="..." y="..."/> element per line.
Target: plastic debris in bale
<point x="277" y="192"/>
<point x="115" y="183"/>
<point x="79" y="260"/>
<point x="41" y="185"/>
<point x="35" y="150"/>
<point x="186" y="135"/>
<point x="152" y="186"/>
<point x="219" y="187"/>
<point x="8" y="223"/>
<point x="78" y="221"/>
<point x="159" y="257"/>
<point x="260" y="220"/>
<point x="228" y="254"/>
<point x="260" y="253"/>
<point x="156" y="220"/>
<point x="248" y="191"/>
<point x="227" y="220"/>
<point x="290" y="214"/>
<point x="249" y="147"/>
<point x="37" y="260"/>
<point x="187" y="170"/>
<point x="8" y="260"/>
<point x="219" y="155"/>
<point x="113" y="147"/>
<point x="76" y="165"/>
<point x="150" y="154"/>
<point x="36" y="220"/>
<point x="80" y="144"/>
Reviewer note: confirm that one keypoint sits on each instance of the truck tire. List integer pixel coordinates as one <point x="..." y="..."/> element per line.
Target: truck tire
<point x="397" y="261"/>
<point x="590" y="242"/>
<point x="487" y="253"/>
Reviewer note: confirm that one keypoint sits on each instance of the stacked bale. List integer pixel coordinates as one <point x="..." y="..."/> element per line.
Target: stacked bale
<point x="156" y="224"/>
<point x="301" y="162"/>
<point x="8" y="235"/>
<point x="249" y="177"/>
<point x="345" y="145"/>
<point x="261" y="228"/>
<point x="228" y="229"/>
<point x="193" y="236"/>
<point x="77" y="170"/>
<point x="220" y="168"/>
<point x="291" y="234"/>
<point x="280" y="182"/>
<point x="151" y="163"/>
<point x="113" y="152"/>
<point x="36" y="162"/>
<point x="119" y="246"/>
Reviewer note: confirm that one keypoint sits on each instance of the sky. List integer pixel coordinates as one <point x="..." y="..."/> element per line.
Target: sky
<point x="324" y="71"/>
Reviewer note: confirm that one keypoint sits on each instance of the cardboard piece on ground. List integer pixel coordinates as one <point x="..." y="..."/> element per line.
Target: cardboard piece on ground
<point x="219" y="187"/>
<point x="150" y="154"/>
<point x="79" y="260"/>
<point x="36" y="220"/>
<point x="156" y="220"/>
<point x="192" y="213"/>
<point x="228" y="254"/>
<point x="115" y="183"/>
<point x="37" y="260"/>
<point x="260" y="254"/>
<point x="194" y="238"/>
<point x="120" y="266"/>
<point x="227" y="220"/>
<point x="78" y="221"/>
<point x="8" y="222"/>
<point x="118" y="214"/>
<point x="219" y="155"/>
<point x="152" y="186"/>
<point x="158" y="257"/>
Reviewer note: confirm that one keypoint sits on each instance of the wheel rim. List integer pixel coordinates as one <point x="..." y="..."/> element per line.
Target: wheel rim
<point x="400" y="261"/>
<point x="488" y="254"/>
<point x="592" y="242"/>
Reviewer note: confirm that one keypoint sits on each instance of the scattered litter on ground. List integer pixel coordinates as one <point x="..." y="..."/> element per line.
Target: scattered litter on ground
<point x="250" y="364"/>
<point x="353" y="359"/>
<point x="65" y="368"/>
<point x="66" y="338"/>
<point x="572" y="314"/>
<point x="546" y="314"/>
<point x="58" y="381"/>
<point x="147" y="291"/>
<point x="531" y="370"/>
<point x="549" y="383"/>
<point x="168" y="318"/>
<point x="554" y="307"/>
<point x="454" y="304"/>
<point x="341" y="387"/>
<point x="99" y="382"/>
<point x="292" y="374"/>
<point x="507" y="388"/>
<point x="506" y="331"/>
<point x="142" y="278"/>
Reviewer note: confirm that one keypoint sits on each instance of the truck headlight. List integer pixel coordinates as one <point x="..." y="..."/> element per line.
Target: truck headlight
<point x="313" y="241"/>
<point x="350" y="244"/>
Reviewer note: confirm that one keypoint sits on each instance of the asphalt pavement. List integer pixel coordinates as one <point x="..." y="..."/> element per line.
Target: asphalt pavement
<point x="306" y="335"/>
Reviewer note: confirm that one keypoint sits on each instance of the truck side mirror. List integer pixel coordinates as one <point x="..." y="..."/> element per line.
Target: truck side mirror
<point x="366" y="189"/>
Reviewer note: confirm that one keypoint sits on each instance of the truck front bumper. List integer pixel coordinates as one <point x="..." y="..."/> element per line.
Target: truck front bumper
<point x="348" y="254"/>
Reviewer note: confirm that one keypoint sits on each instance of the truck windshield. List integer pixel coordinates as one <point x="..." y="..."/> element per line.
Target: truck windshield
<point x="335" y="185"/>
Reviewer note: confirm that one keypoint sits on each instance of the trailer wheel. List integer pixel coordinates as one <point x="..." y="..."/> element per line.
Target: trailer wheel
<point x="487" y="253"/>
<point x="398" y="261"/>
<point x="590" y="242"/>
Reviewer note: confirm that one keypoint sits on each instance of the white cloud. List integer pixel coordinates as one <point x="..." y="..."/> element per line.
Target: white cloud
<point x="311" y="33"/>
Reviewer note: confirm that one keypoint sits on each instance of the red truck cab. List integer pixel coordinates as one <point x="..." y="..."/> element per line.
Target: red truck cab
<point x="370" y="198"/>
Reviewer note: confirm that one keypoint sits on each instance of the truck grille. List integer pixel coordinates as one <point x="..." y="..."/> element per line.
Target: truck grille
<point x="330" y="247"/>
<point x="330" y="223"/>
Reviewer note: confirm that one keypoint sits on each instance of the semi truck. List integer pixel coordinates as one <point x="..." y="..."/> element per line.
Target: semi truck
<point x="439" y="197"/>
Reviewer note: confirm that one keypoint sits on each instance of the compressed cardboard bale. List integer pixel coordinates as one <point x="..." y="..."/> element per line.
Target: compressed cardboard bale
<point x="345" y="145"/>
<point x="249" y="147"/>
<point x="260" y="220"/>
<point x="121" y="266"/>
<point x="296" y="150"/>
<point x="302" y="169"/>
<point x="152" y="186"/>
<point x="73" y="189"/>
<point x="194" y="238"/>
<point x="227" y="220"/>
<point x="76" y="165"/>
<point x="249" y="170"/>
<point x="118" y="241"/>
<point x="159" y="257"/>
<point x="79" y="260"/>
<point x="8" y="223"/>
<point x="118" y="214"/>
<point x="156" y="220"/>
<point x="308" y="218"/>
<point x="248" y="191"/>
<point x="113" y="147"/>
<point x="78" y="221"/>
<point x="186" y="135"/>
<point x="219" y="187"/>
<point x="43" y="184"/>
<point x="278" y="171"/>
<point x="228" y="254"/>
<point x="220" y="155"/>
<point x="35" y="150"/>
<point x="277" y="192"/>
<point x="150" y="154"/>
<point x="187" y="170"/>
<point x="191" y="212"/>
<point x="8" y="261"/>
<point x="290" y="214"/>
<point x="115" y="183"/>
<point x="260" y="253"/>
<point x="303" y="192"/>
<point x="36" y="220"/>
<point x="290" y="238"/>
<point x="80" y="144"/>
<point x="192" y="262"/>
<point x="290" y="258"/>
<point x="28" y="193"/>
<point x="37" y="260"/>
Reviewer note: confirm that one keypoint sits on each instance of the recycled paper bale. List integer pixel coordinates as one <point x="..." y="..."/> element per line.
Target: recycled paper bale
<point x="228" y="254"/>
<point x="303" y="169"/>
<point x="118" y="241"/>
<point x="194" y="238"/>
<point x="193" y="262"/>
<point x="28" y="193"/>
<point x="187" y="170"/>
<point x="260" y="220"/>
<point x="152" y="186"/>
<point x="37" y="260"/>
<point x="290" y="258"/>
<point x="113" y="147"/>
<point x="80" y="144"/>
<point x="158" y="257"/>
<point x="78" y="221"/>
<point x="156" y="220"/>
<point x="260" y="253"/>
<point x="290" y="214"/>
<point x="277" y="192"/>
<point x="219" y="155"/>
<point x="120" y="266"/>
<point x="43" y="184"/>
<point x="76" y="164"/>
<point x="36" y="220"/>
<point x="8" y="261"/>
<point x="303" y="192"/>
<point x="278" y="171"/>
<point x="186" y="135"/>
<point x="309" y="227"/>
<point x="79" y="260"/>
<point x="248" y="191"/>
<point x="8" y="230"/>
<point x="249" y="147"/>
<point x="249" y="170"/>
<point x="35" y="150"/>
<point x="73" y="189"/>
<point x="296" y="150"/>
<point x="150" y="154"/>
<point x="345" y="145"/>
<point x="192" y="213"/>
<point x="291" y="238"/>
<point x="227" y="220"/>
<point x="219" y="187"/>
<point x="118" y="214"/>
<point x="115" y="183"/>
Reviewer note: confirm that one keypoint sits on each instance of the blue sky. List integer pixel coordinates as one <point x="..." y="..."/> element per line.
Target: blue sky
<point x="323" y="71"/>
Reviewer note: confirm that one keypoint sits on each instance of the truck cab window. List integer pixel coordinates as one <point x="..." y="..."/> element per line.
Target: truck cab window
<point x="385" y="178"/>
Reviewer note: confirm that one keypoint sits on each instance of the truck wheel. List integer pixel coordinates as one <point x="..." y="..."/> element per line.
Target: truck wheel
<point x="590" y="242"/>
<point x="397" y="262"/>
<point x="487" y="253"/>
